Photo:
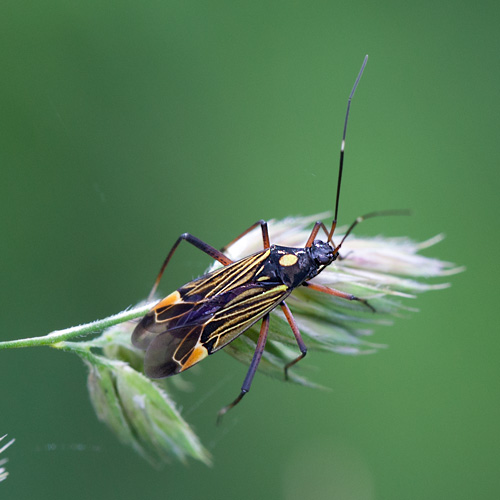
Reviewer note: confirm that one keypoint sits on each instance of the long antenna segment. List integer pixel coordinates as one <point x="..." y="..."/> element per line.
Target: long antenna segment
<point x="342" y="147"/>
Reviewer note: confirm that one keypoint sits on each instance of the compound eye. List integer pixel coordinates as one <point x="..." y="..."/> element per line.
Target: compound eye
<point x="324" y="259"/>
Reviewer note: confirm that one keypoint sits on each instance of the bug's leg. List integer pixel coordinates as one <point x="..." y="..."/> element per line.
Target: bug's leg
<point x="298" y="337"/>
<point x="317" y="226"/>
<point x="259" y="350"/>
<point x="337" y="293"/>
<point x="343" y="257"/>
<point x="265" y="234"/>
<point x="204" y="247"/>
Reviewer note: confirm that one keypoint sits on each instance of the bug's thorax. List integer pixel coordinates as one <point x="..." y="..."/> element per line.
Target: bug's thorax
<point x="292" y="266"/>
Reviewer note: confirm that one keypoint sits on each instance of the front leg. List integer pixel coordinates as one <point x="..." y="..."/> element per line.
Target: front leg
<point x="337" y="293"/>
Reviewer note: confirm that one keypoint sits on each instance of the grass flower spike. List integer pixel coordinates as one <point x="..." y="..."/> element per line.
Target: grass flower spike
<point x="3" y="461"/>
<point x="384" y="271"/>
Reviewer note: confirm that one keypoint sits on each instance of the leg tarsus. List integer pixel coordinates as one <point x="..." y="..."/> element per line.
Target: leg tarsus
<point x="293" y="362"/>
<point x="343" y="257"/>
<point x="259" y="350"/>
<point x="226" y="408"/>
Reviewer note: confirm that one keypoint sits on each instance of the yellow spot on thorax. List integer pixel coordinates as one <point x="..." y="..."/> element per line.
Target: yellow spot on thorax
<point x="288" y="259"/>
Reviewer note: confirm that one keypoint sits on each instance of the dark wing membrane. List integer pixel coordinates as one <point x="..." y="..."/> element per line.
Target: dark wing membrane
<point x="205" y="315"/>
<point x="159" y="361"/>
<point x="198" y="300"/>
<point x="182" y="346"/>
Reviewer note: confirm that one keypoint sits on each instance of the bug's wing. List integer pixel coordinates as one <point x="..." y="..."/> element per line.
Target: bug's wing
<point x="179" y="347"/>
<point x="206" y="314"/>
<point x="176" y="307"/>
<point x="198" y="300"/>
<point x="170" y="351"/>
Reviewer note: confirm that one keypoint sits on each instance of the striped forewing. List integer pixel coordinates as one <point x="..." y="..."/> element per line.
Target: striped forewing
<point x="226" y="278"/>
<point x="206" y="314"/>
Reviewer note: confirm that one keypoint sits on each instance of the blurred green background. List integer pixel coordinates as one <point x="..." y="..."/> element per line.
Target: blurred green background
<point x="124" y="124"/>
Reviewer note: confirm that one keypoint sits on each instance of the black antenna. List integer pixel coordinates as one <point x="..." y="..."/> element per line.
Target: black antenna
<point x="342" y="147"/>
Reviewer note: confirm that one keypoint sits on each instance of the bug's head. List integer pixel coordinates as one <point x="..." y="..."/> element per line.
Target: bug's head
<point x="322" y="253"/>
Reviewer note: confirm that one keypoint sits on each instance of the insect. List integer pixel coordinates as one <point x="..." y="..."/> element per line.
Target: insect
<point x="207" y="313"/>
